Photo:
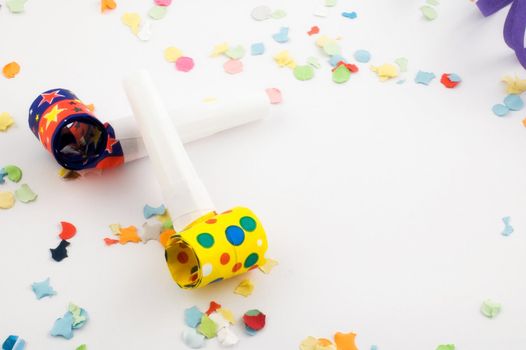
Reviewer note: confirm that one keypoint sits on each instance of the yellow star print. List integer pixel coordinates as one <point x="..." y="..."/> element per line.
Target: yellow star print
<point x="51" y="116"/>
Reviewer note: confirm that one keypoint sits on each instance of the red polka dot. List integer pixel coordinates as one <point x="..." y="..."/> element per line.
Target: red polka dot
<point x="193" y="277"/>
<point x="225" y="258"/>
<point x="211" y="221"/>
<point x="236" y="267"/>
<point x="182" y="257"/>
<point x="253" y="267"/>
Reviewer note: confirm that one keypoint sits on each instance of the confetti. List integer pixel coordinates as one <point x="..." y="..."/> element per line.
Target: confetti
<point x="429" y="13"/>
<point x="433" y="2"/>
<point x="490" y="309"/>
<point x="446" y="347"/>
<point x="261" y="13"/>
<point x="233" y="66"/>
<point x="254" y="319"/>
<point x="184" y="64"/>
<point x="324" y="344"/>
<point x="145" y="33"/>
<point x="282" y="36"/>
<point x="164" y="238"/>
<point x="235" y="53"/>
<point x="149" y="211"/>
<point x="313" y="30"/>
<point x="283" y="59"/>
<point x="402" y="62"/>
<point x="336" y="59"/>
<point x="207" y="327"/>
<point x="226" y="337"/>
<point x="330" y="3"/>
<point x="345" y="341"/>
<point x="219" y="49"/>
<point x="308" y="343"/>
<point x="350" y="15"/>
<point x="244" y="288"/>
<point x="268" y="266"/>
<point x="10" y="70"/>
<point x="227" y="315"/>
<point x="158" y="12"/>
<point x="82" y="347"/>
<point x="7" y="200"/>
<point x="106" y="5"/>
<point x="514" y="85"/>
<point x="60" y="252"/>
<point x="219" y="320"/>
<point x="508" y="229"/>
<point x="151" y="231"/>
<point x="386" y="71"/>
<point x="14" y="173"/>
<point x="257" y="49"/>
<point x="43" y="289"/>
<point x="450" y="80"/>
<point x="110" y="241"/>
<point x="303" y="73"/>
<point x="424" y="78"/>
<point x="25" y="194"/>
<point x="13" y="342"/>
<point x="5" y="121"/>
<point x="213" y="307"/>
<point x="278" y="14"/>
<point x="171" y="54"/>
<point x="63" y="326"/>
<point x="192" y="339"/>
<point x="80" y="316"/>
<point x="132" y="20"/>
<point x="3" y="174"/>
<point x="332" y="48"/>
<point x="362" y="56"/>
<point x="192" y="316"/>
<point x="16" y="6"/>
<point x="274" y="95"/>
<point x="341" y="74"/>
<point x="68" y="230"/>
<point x="163" y="2"/>
<point x="514" y="102"/>
<point x="129" y="235"/>
<point x="500" y="110"/>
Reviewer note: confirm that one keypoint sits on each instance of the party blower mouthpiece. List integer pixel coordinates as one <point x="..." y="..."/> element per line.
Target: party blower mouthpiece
<point x="68" y="129"/>
<point x="205" y="247"/>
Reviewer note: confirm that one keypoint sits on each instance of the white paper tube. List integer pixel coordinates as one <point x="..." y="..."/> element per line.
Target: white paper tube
<point x="184" y="194"/>
<point x="194" y="122"/>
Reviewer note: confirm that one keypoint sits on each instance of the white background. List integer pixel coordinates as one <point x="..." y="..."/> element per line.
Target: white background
<point x="382" y="202"/>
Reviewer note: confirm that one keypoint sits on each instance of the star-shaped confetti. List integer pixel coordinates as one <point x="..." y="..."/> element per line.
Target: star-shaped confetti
<point x="43" y="289"/>
<point x="151" y="231"/>
<point x="129" y="234"/>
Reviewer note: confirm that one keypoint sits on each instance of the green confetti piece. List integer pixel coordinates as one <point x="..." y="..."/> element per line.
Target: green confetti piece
<point x="429" y="13"/>
<point x="303" y="73"/>
<point x="25" y="194"/>
<point x="330" y="3"/>
<point x="433" y="2"/>
<point x="207" y="327"/>
<point x="402" y="63"/>
<point x="158" y="12"/>
<point x="341" y="75"/>
<point x="82" y="347"/>
<point x="314" y="62"/>
<point x="14" y="173"/>
<point x="16" y="6"/>
<point x="167" y="225"/>
<point x="278" y="14"/>
<point x="490" y="309"/>
<point x="446" y="347"/>
<point x="236" y="53"/>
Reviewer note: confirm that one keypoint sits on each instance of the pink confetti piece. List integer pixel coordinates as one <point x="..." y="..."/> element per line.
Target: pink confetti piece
<point x="274" y="95"/>
<point x="184" y="64"/>
<point x="233" y="66"/>
<point x="163" y="2"/>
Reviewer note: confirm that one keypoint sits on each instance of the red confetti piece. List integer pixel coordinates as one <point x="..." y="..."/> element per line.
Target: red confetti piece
<point x="351" y="67"/>
<point x="255" y="322"/>
<point x="314" y="30"/>
<point x="213" y="307"/>
<point x="447" y="82"/>
<point x="68" y="230"/>
<point x="110" y="241"/>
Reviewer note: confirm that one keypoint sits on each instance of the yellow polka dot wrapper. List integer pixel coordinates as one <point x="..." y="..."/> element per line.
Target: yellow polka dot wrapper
<point x="216" y="247"/>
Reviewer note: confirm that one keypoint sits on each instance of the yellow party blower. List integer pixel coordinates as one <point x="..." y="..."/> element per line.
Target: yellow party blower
<point x="206" y="247"/>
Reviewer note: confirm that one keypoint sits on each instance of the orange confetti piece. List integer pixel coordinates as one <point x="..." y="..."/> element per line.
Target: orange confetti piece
<point x="91" y="107"/>
<point x="106" y="5"/>
<point x="345" y="341"/>
<point x="129" y="234"/>
<point x="524" y="122"/>
<point x="10" y="70"/>
<point x="165" y="237"/>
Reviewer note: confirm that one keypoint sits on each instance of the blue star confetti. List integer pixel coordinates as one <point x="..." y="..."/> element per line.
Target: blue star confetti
<point x="43" y="289"/>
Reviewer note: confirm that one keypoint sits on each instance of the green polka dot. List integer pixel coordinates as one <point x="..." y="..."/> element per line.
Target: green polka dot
<point x="205" y="240"/>
<point x="251" y="260"/>
<point x="248" y="223"/>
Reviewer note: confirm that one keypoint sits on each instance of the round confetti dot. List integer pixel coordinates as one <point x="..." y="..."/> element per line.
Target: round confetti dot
<point x="225" y="258"/>
<point x="259" y="242"/>
<point x="11" y="69"/>
<point x="233" y="66"/>
<point x="235" y="235"/>
<point x="206" y="240"/>
<point x="171" y="54"/>
<point x="184" y="64"/>
<point x="500" y="110"/>
<point x="303" y="73"/>
<point x="182" y="257"/>
<point x="514" y="102"/>
<point x="261" y="13"/>
<point x="362" y="56"/>
<point x="236" y="267"/>
<point x="163" y="2"/>
<point x="207" y="269"/>
<point x="251" y="260"/>
<point x="248" y="223"/>
<point x="341" y="75"/>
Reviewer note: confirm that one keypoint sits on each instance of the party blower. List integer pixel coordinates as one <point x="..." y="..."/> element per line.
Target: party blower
<point x="206" y="247"/>
<point x="68" y="129"/>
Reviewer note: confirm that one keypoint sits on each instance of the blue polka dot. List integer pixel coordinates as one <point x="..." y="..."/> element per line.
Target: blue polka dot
<point x="235" y="235"/>
<point x="205" y="240"/>
<point x="251" y="260"/>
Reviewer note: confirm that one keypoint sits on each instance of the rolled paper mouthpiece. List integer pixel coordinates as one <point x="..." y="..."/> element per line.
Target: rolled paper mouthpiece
<point x="216" y="247"/>
<point x="70" y="131"/>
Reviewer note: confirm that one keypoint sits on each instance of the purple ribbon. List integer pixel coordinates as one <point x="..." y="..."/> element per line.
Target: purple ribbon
<point x="515" y="24"/>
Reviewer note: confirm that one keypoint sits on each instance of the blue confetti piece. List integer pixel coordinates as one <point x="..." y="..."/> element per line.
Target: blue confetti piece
<point x="514" y="102"/>
<point x="250" y="331"/>
<point x="14" y="342"/>
<point x="455" y="78"/>
<point x="3" y="173"/>
<point x="500" y="110"/>
<point x="362" y="56"/>
<point x="424" y="78"/>
<point x="374" y="347"/>
<point x="192" y="317"/>
<point x="350" y="15"/>
<point x="508" y="229"/>
<point x="282" y="36"/>
<point x="400" y="82"/>
<point x="151" y="211"/>
<point x="43" y="289"/>
<point x="257" y="49"/>
<point x="63" y="327"/>
<point x="335" y="59"/>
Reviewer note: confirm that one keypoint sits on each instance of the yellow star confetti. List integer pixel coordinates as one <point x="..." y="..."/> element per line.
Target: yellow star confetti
<point x="283" y="59"/>
<point x="5" y="121"/>
<point x="171" y="54"/>
<point x="227" y="315"/>
<point x="219" y="49"/>
<point x="7" y="200"/>
<point x="268" y="266"/>
<point x="132" y="20"/>
<point x="514" y="85"/>
<point x="245" y="288"/>
<point x="385" y="71"/>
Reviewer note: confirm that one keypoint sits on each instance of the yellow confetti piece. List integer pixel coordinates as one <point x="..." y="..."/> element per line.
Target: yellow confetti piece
<point x="171" y="54"/>
<point x="227" y="315"/>
<point x="219" y="49"/>
<point x="268" y="266"/>
<point x="514" y="85"/>
<point x="245" y="288"/>
<point x="115" y="229"/>
<point x="385" y="71"/>
<point x="5" y="121"/>
<point x="7" y="200"/>
<point x="132" y="20"/>
<point x="283" y="59"/>
<point x="308" y="343"/>
<point x="323" y="40"/>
